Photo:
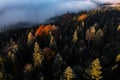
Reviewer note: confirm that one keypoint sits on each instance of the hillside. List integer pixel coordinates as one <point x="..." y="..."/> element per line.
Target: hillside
<point x="74" y="46"/>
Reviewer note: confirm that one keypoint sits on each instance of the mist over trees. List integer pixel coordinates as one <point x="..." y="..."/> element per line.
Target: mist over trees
<point x="76" y="46"/>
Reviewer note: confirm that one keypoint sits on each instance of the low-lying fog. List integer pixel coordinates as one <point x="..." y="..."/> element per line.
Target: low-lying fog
<point x="37" y="11"/>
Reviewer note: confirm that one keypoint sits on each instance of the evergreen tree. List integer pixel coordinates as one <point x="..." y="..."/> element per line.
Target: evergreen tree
<point x="98" y="39"/>
<point x="58" y="66"/>
<point x="99" y="34"/>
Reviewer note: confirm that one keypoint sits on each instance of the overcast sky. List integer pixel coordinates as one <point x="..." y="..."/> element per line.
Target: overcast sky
<point x="12" y="11"/>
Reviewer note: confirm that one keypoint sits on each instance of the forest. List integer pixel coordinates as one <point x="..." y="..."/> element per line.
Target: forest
<point x="74" y="46"/>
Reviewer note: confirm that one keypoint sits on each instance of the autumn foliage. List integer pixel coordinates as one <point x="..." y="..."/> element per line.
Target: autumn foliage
<point x="49" y="54"/>
<point x="43" y="30"/>
<point x="82" y="17"/>
<point x="90" y="33"/>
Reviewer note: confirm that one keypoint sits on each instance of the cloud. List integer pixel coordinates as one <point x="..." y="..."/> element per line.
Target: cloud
<point x="110" y="1"/>
<point x="37" y="11"/>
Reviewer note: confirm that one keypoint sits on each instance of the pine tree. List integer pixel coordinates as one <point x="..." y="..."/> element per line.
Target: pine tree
<point x="69" y="74"/>
<point x="98" y="39"/>
<point x="58" y="58"/>
<point x="95" y="70"/>
<point x="99" y="34"/>
<point x="58" y="66"/>
<point x="37" y="55"/>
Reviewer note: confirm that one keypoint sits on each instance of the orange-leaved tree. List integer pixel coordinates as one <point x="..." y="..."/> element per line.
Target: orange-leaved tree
<point x="82" y="17"/>
<point x="43" y="31"/>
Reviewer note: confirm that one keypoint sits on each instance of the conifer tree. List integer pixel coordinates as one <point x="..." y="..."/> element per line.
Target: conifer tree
<point x="2" y="69"/>
<point x="1" y="61"/>
<point x="90" y="33"/>
<point x="1" y="75"/>
<point x="37" y="55"/>
<point x="83" y="24"/>
<point x="52" y="43"/>
<point x="118" y="58"/>
<point x="58" y="66"/>
<point x="11" y="55"/>
<point x="30" y="38"/>
<point x="75" y="36"/>
<point x="69" y="74"/>
<point x="99" y="34"/>
<point x="94" y="70"/>
<point x="98" y="38"/>
<point x="118" y="28"/>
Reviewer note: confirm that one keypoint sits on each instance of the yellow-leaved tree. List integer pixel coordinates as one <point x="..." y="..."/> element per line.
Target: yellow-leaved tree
<point x="75" y="36"/>
<point x="69" y="73"/>
<point x="37" y="55"/>
<point x="118" y="28"/>
<point x="118" y="58"/>
<point x="99" y="34"/>
<point x="30" y="38"/>
<point x="52" y="41"/>
<point x="90" y="33"/>
<point x="2" y="70"/>
<point x="98" y="40"/>
<point x="94" y="70"/>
